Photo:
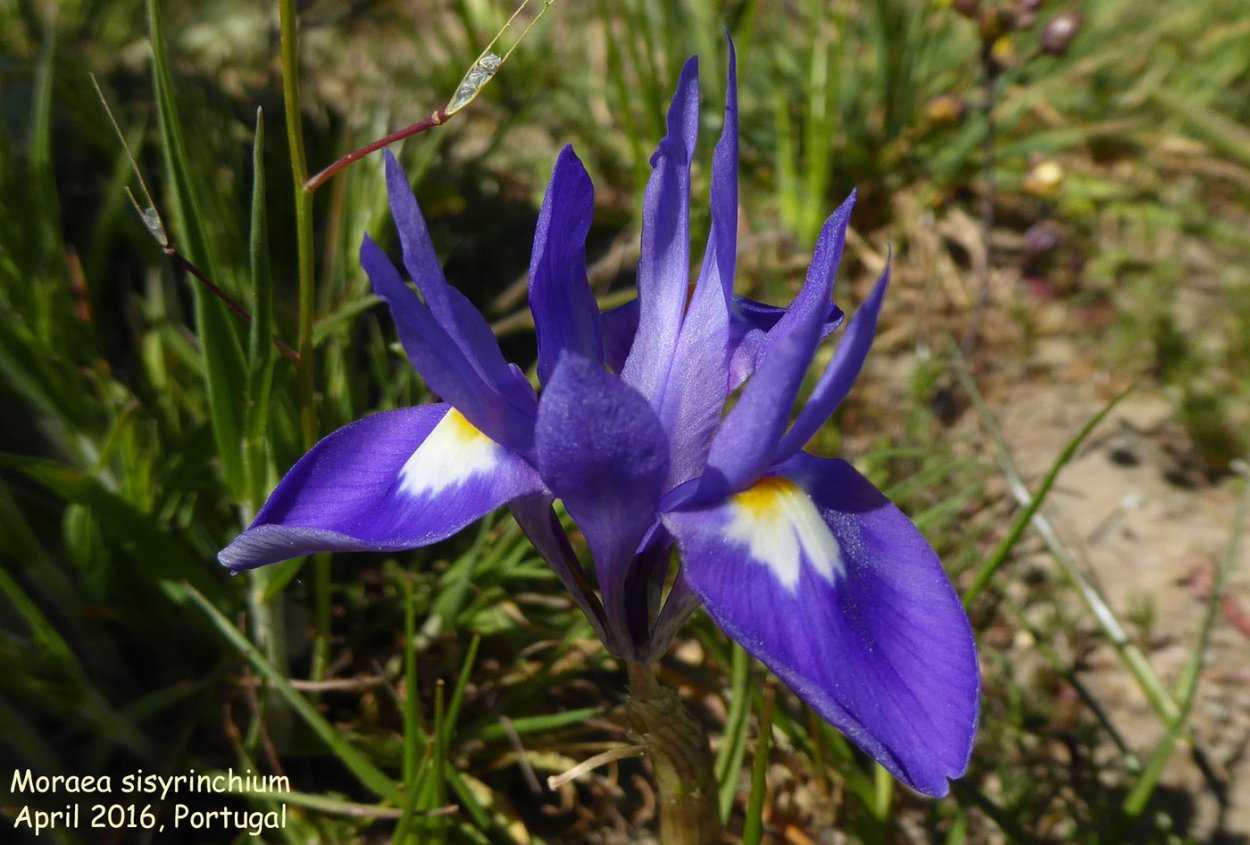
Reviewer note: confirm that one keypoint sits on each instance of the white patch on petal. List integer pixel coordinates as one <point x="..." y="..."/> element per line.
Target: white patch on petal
<point x="777" y="522"/>
<point x="453" y="452"/>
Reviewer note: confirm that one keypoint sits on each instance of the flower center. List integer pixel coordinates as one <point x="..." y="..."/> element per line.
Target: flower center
<point x="453" y="452"/>
<point x="781" y="529"/>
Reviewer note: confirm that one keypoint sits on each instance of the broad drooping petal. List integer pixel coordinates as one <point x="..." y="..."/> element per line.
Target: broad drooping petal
<point x="825" y="581"/>
<point x="747" y="440"/>
<point x="566" y="315"/>
<point x="395" y="480"/>
<point x="602" y="451"/>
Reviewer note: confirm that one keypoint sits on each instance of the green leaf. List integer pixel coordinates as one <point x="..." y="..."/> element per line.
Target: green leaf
<point x="260" y="352"/>
<point x="224" y="367"/>
<point x="1000" y="555"/>
<point x="1220" y="131"/>
<point x="42" y="177"/>
<point x="753" y="828"/>
<point x="1130" y="654"/>
<point x="1187" y="687"/>
<point x="135" y="538"/>
<point x="733" y="750"/>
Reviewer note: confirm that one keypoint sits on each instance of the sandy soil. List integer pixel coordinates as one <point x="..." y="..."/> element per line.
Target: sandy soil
<point x="1149" y="531"/>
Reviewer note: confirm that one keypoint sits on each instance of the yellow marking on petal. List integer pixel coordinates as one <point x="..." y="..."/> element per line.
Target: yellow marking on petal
<point x="781" y="528"/>
<point x="766" y="495"/>
<point x="453" y="452"/>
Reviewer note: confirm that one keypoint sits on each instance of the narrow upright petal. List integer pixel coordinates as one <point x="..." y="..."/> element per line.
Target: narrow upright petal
<point x="442" y="362"/>
<point x="620" y="328"/>
<point x="566" y="315"/>
<point x="722" y="243"/>
<point x="838" y="377"/>
<point x="602" y="451"/>
<point x="395" y="480"/>
<point x="664" y="268"/>
<point x="693" y="398"/>
<point x="825" y="581"/>
<point x="462" y="322"/>
<point x="749" y="325"/>
<point x="748" y="438"/>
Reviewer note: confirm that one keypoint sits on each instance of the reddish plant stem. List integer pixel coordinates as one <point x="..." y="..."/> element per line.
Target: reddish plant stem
<point x="436" y="119"/>
<point x="183" y="262"/>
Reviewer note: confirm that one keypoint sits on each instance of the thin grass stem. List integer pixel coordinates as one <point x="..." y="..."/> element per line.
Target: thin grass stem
<point x="307" y="288"/>
<point x="1187" y="688"/>
<point x="753" y="829"/>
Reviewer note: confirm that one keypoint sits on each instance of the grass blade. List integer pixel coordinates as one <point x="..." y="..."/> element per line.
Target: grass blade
<point x="457" y="694"/>
<point x="753" y="829"/>
<point x="1187" y="687"/>
<point x="1156" y="693"/>
<point x="995" y="561"/>
<point x="224" y="368"/>
<point x="367" y="773"/>
<point x="546" y="723"/>
<point x="42" y="177"/>
<point x="134" y="536"/>
<point x="260" y="352"/>
<point x="413" y="733"/>
<point x="733" y="750"/>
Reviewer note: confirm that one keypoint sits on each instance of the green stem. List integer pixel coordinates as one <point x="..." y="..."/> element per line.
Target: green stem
<point x="681" y="760"/>
<point x="304" y="242"/>
<point x="303" y="216"/>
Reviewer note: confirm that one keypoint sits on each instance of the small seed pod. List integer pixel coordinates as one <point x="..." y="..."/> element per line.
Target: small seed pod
<point x="1058" y="34"/>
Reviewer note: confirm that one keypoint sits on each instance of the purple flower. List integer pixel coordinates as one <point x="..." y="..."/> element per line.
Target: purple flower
<point x="798" y="558"/>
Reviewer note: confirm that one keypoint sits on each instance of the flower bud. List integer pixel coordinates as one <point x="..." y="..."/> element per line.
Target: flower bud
<point x="1002" y="53"/>
<point x="1041" y="238"/>
<point x="1058" y="34"/>
<point x="1043" y="178"/>
<point x="947" y="109"/>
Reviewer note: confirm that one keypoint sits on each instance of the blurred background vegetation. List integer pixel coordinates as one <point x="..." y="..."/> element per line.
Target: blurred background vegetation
<point x="1119" y="163"/>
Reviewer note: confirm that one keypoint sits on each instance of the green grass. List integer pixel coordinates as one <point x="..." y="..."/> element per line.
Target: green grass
<point x="144" y="422"/>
